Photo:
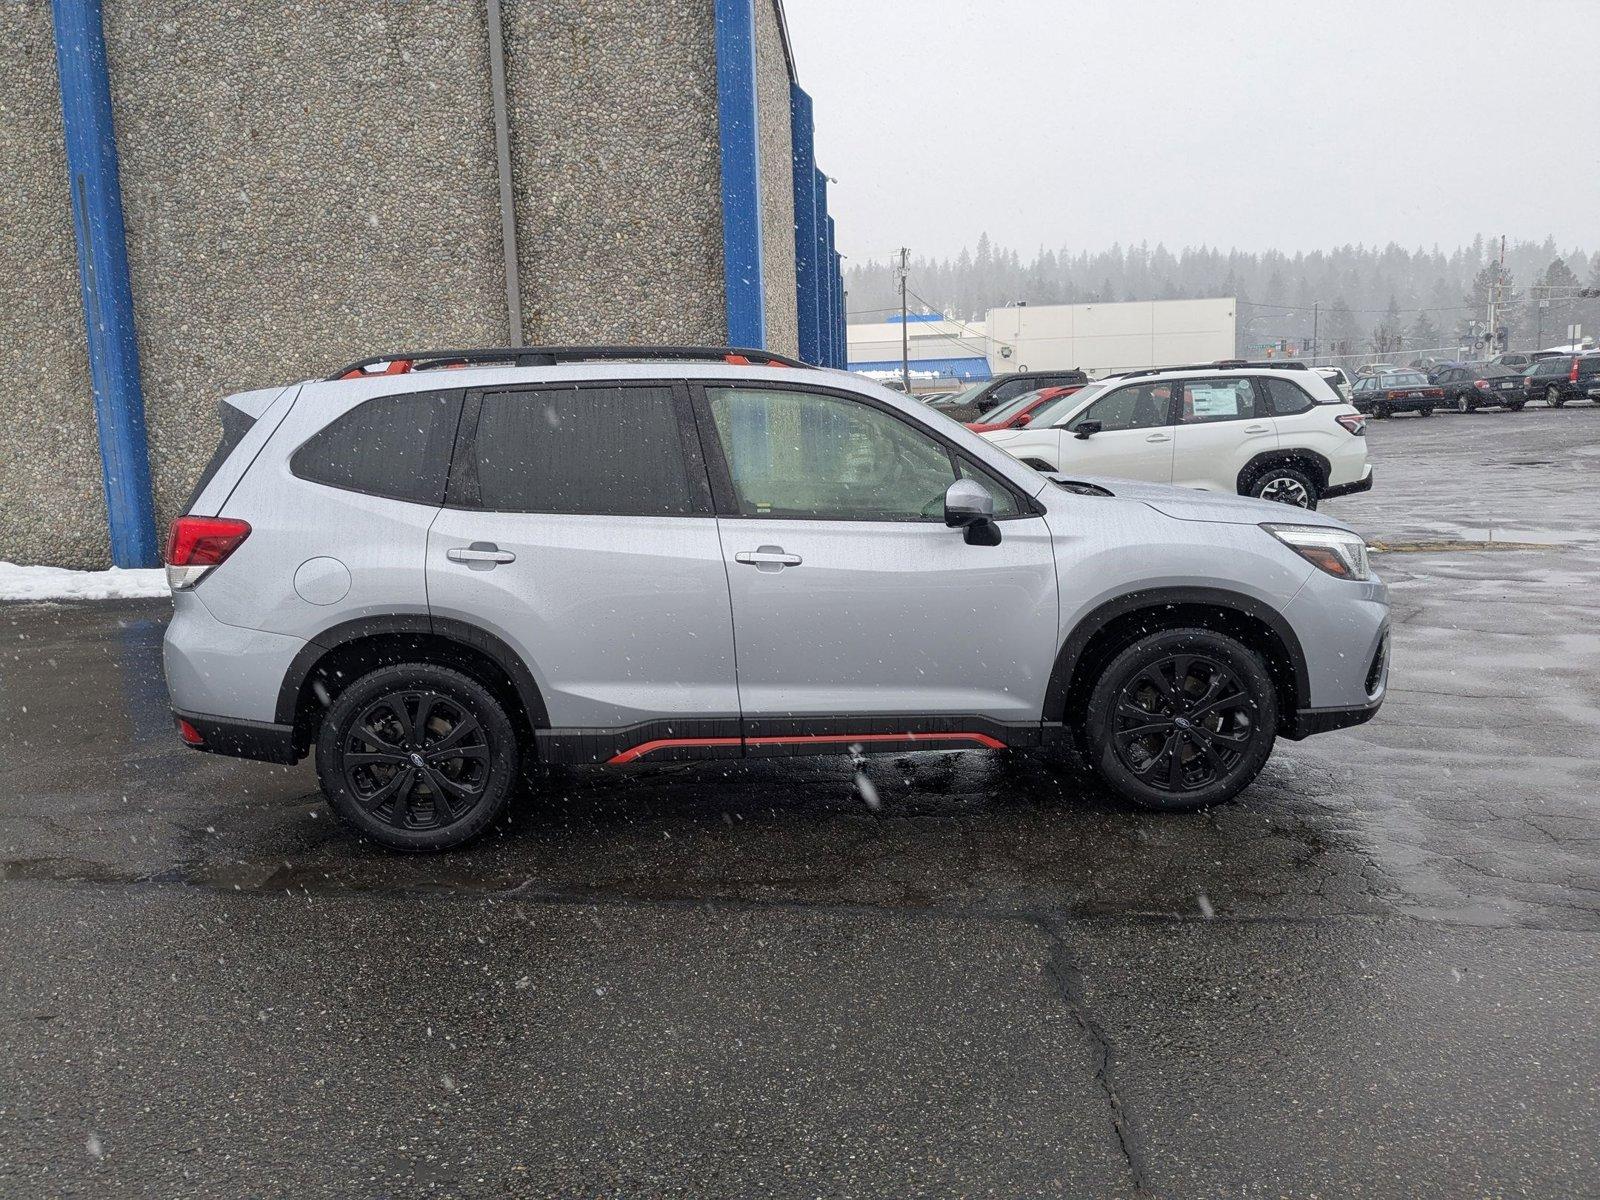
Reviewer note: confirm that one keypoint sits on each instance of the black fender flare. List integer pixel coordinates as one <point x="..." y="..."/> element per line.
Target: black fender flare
<point x="1268" y="458"/>
<point x="1055" y="696"/>
<point x="464" y="632"/>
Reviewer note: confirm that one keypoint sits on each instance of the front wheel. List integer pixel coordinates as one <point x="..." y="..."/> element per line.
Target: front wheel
<point x="1285" y="485"/>
<point x="1181" y="720"/>
<point x="1553" y="397"/>
<point x="417" y="757"/>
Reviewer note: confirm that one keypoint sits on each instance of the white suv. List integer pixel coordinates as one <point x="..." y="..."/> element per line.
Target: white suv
<point x="1275" y="431"/>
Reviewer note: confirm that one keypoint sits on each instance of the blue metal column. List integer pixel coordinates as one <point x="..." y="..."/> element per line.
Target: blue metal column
<point x="807" y="270"/>
<point x="741" y="172"/>
<point x="824" y="292"/>
<point x="103" y="275"/>
<point x="835" y="317"/>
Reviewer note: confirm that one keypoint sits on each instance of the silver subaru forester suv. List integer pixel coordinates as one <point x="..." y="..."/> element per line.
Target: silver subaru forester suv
<point x="436" y="568"/>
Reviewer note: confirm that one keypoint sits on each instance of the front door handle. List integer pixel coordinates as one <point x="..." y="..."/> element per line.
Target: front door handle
<point x="767" y="558"/>
<point x="480" y="556"/>
<point x="1256" y="429"/>
<point x="1158" y="437"/>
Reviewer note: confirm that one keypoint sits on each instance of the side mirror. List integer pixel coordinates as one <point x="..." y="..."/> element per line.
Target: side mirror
<point x="969" y="506"/>
<point x="1085" y="429"/>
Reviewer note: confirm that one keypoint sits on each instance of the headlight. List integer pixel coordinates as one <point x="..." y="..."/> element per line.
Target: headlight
<point x="1333" y="550"/>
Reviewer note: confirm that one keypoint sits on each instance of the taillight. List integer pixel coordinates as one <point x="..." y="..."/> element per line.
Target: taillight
<point x="1481" y="384"/>
<point x="1572" y="376"/>
<point x="1353" y="422"/>
<point x="197" y="544"/>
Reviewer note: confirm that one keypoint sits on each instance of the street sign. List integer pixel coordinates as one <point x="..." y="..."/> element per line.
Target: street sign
<point x="1574" y="332"/>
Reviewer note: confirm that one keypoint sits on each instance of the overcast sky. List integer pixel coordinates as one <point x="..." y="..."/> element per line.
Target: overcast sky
<point x="1256" y="125"/>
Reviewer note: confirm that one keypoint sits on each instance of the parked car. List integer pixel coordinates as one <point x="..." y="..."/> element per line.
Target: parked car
<point x="1515" y="359"/>
<point x="1391" y="392"/>
<point x="1272" y="430"/>
<point x="1019" y="412"/>
<point x="432" y="576"/>
<point x="1471" y="386"/>
<point x="1375" y="369"/>
<point x="979" y="400"/>
<point x="1337" y="378"/>
<point x="1557" y="380"/>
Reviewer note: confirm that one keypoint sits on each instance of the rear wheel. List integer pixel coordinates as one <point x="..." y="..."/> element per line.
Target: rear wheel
<point x="1515" y="406"/>
<point x="1553" y="396"/>
<point x="1181" y="720"/>
<point x="1425" y="411"/>
<point x="417" y="757"/>
<point x="1285" y="485"/>
<point x="1463" y="405"/>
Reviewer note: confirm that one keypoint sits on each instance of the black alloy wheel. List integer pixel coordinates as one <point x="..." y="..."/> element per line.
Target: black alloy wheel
<point x="418" y="757"/>
<point x="1182" y="720"/>
<point x="1285" y="485"/>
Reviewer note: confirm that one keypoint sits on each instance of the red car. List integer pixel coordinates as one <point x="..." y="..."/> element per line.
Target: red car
<point x="1017" y="413"/>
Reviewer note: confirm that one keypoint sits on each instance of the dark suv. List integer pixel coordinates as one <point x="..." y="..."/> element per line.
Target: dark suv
<point x="977" y="401"/>
<point x="1557" y="380"/>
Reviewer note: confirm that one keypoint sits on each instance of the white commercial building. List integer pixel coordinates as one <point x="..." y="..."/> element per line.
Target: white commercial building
<point x="1098" y="338"/>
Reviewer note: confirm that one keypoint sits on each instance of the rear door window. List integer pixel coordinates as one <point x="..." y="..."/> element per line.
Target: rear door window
<point x="1284" y="398"/>
<point x="608" y="451"/>
<point x="1207" y="400"/>
<point x="393" y="446"/>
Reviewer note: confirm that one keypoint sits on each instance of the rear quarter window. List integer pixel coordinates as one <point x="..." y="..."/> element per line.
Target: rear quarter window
<point x="1286" y="398"/>
<point x="235" y="424"/>
<point x="392" y="446"/>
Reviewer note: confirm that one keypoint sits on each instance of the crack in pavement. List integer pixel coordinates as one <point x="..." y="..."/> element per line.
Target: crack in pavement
<point x="1063" y="969"/>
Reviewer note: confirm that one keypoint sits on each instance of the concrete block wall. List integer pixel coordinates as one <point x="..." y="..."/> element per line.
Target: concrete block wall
<point x="52" y="507"/>
<point x="308" y="183"/>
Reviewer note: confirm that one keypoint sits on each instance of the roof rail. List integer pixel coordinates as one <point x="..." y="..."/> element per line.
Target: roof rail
<point x="1225" y="364"/>
<point x="548" y="356"/>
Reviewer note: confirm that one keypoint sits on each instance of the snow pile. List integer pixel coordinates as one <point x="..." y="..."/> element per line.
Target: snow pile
<point x="18" y="582"/>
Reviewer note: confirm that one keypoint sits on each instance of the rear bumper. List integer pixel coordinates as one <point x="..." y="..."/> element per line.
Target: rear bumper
<point x="260" y="740"/>
<point x="1364" y="484"/>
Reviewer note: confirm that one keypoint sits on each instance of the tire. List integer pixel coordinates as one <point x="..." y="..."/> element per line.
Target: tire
<point x="1425" y="411"/>
<point x="1515" y="406"/>
<point x="1169" y="767"/>
<point x="1463" y="405"/>
<point x="1285" y="485"/>
<point x="1553" y="396"/>
<point x="426" y="800"/>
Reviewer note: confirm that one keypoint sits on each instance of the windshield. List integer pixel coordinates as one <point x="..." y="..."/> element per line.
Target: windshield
<point x="966" y="396"/>
<point x="1051" y="414"/>
<point x="1011" y="408"/>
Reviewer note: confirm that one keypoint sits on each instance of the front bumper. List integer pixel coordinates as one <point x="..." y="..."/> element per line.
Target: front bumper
<point x="1309" y="722"/>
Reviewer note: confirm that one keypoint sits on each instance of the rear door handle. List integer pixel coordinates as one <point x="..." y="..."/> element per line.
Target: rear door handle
<point x="767" y="557"/>
<point x="1256" y="429"/>
<point x="485" y="553"/>
<point x="1158" y="437"/>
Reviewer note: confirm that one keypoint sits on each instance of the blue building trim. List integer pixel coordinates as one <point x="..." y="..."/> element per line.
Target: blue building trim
<point x="97" y="224"/>
<point x="807" y="269"/>
<point x="824" y="265"/>
<point x="836" y="288"/>
<point x="741" y="172"/>
<point x="957" y="367"/>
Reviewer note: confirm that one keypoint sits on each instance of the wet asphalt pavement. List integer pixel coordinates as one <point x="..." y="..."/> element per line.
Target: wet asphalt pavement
<point x="1376" y="974"/>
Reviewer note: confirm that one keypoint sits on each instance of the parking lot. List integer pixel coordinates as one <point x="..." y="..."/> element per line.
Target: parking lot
<point x="1375" y="974"/>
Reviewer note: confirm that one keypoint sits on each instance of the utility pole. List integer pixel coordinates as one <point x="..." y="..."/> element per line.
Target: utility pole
<point x="1494" y="299"/>
<point x="1316" y="313"/>
<point x="905" y="327"/>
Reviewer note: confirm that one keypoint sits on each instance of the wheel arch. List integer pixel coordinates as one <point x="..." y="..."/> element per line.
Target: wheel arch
<point x="1118" y="622"/>
<point x="344" y="652"/>
<point x="1317" y="466"/>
